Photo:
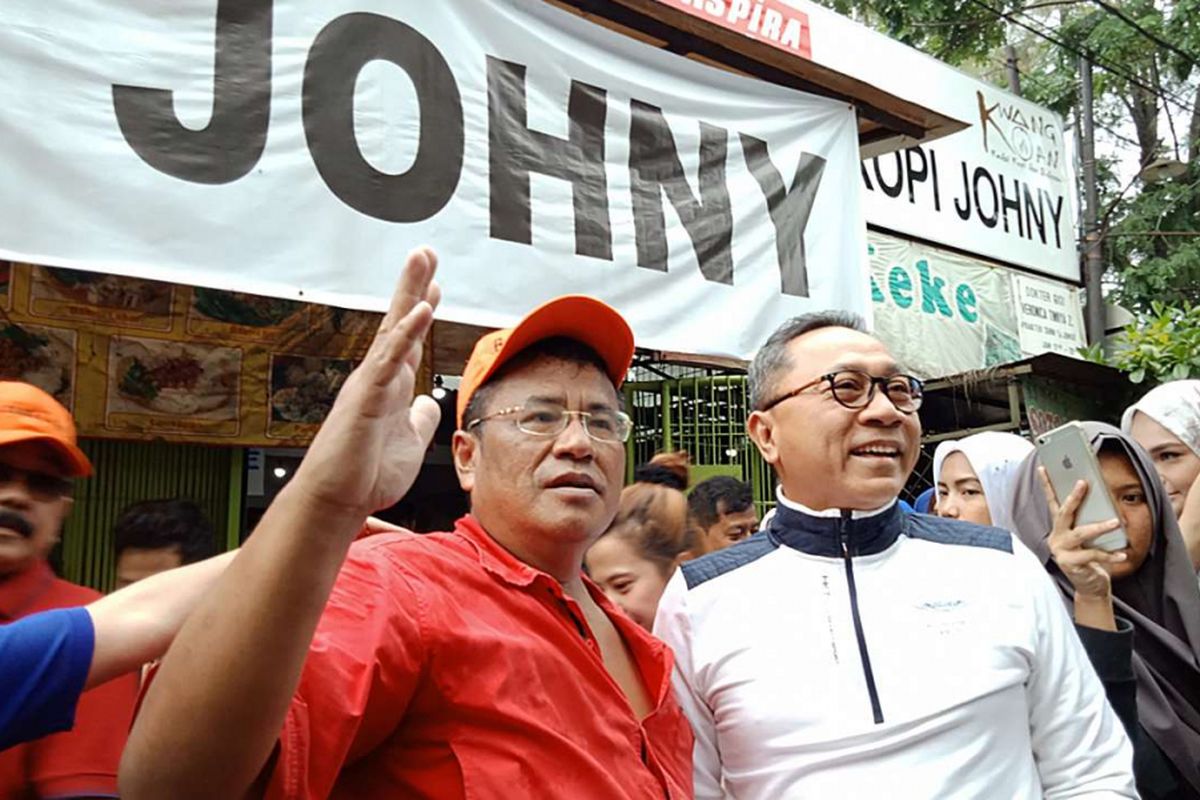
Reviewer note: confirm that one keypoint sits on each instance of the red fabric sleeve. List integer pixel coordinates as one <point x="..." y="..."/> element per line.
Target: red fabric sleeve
<point x="363" y="666"/>
<point x="83" y="761"/>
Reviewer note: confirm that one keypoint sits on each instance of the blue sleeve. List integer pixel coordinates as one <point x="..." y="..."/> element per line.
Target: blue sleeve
<point x="44" y="662"/>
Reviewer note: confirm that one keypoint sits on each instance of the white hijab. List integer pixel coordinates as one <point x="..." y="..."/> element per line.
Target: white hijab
<point x="1175" y="406"/>
<point x="996" y="458"/>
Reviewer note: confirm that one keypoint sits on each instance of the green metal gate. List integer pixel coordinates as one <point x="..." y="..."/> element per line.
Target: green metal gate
<point x="706" y="416"/>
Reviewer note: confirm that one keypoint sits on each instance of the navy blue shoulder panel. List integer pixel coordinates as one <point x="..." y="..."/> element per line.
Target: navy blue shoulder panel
<point x="705" y="568"/>
<point x="953" y="531"/>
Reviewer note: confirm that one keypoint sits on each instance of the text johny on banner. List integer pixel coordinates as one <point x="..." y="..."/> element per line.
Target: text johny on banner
<point x="299" y="149"/>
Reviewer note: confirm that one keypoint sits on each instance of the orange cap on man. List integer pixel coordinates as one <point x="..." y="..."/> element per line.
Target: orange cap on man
<point x="574" y="316"/>
<point x="28" y="414"/>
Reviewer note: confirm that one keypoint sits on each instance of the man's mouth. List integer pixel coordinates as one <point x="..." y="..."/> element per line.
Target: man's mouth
<point x="574" y="480"/>
<point x="882" y="451"/>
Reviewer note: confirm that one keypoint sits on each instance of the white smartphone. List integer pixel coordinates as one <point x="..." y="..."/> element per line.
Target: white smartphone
<point x="1068" y="457"/>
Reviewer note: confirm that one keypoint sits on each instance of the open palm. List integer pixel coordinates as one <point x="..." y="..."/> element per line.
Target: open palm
<point x="371" y="446"/>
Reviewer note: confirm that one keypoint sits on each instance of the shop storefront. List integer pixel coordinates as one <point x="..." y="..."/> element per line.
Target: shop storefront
<point x="198" y="258"/>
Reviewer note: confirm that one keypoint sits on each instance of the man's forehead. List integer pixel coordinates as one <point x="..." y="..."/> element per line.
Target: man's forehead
<point x="551" y="378"/>
<point x="827" y="349"/>
<point x="33" y="455"/>
<point x="726" y="515"/>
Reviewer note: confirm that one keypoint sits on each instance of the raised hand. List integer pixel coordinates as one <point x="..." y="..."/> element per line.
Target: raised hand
<point x="1087" y="568"/>
<point x="371" y="445"/>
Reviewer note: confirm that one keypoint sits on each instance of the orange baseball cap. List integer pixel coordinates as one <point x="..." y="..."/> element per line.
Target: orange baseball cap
<point x="574" y="316"/>
<point x="27" y="414"/>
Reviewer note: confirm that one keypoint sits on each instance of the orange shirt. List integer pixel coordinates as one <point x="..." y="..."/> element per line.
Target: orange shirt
<point x="444" y="668"/>
<point x="82" y="761"/>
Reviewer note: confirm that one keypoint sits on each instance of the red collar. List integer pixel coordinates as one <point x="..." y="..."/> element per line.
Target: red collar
<point x="653" y="658"/>
<point x="19" y="592"/>
<point x="495" y="559"/>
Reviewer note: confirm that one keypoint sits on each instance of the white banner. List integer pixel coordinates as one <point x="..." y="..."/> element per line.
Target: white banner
<point x="299" y="148"/>
<point x="1002" y="188"/>
<point x="942" y="313"/>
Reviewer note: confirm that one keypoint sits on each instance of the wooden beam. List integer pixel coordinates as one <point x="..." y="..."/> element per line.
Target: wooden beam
<point x="687" y="34"/>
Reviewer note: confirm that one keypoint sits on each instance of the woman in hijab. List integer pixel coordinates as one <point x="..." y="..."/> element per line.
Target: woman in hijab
<point x="974" y="477"/>
<point x="1166" y="423"/>
<point x="1144" y="597"/>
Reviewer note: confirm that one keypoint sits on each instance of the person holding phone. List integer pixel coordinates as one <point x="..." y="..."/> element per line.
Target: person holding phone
<point x="1137" y="609"/>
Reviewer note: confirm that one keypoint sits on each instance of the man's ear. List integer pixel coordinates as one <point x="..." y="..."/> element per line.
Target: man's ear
<point x="68" y="503"/>
<point x="465" y="449"/>
<point x="761" y="429"/>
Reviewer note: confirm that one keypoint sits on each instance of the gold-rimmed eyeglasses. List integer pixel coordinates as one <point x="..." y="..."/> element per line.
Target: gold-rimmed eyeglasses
<point x="539" y="419"/>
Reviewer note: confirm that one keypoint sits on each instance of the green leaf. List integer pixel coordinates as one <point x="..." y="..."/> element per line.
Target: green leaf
<point x="1137" y="376"/>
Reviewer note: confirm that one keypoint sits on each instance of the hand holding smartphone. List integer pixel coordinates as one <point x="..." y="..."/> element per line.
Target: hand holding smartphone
<point x="1068" y="457"/>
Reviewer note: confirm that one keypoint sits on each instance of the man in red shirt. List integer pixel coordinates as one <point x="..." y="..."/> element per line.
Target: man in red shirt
<point x="38" y="458"/>
<point x="478" y="662"/>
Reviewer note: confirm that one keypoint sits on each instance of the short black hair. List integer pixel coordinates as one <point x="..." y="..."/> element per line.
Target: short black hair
<point x="772" y="358"/>
<point x="560" y="348"/>
<point x="162" y="524"/>
<point x="706" y="500"/>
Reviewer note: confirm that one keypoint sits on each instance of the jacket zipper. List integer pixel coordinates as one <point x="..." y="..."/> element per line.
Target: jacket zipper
<point x="844" y="540"/>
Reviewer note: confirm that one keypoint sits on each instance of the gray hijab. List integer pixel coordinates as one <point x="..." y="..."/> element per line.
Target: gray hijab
<point x="1161" y="600"/>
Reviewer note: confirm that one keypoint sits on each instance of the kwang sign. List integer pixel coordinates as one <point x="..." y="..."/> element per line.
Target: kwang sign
<point x="1001" y="188"/>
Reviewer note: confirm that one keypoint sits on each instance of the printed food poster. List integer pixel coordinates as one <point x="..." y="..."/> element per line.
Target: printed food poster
<point x="136" y="359"/>
<point x="223" y="315"/>
<point x="303" y="389"/>
<point x="68" y="294"/>
<point x="39" y="355"/>
<point x="173" y="386"/>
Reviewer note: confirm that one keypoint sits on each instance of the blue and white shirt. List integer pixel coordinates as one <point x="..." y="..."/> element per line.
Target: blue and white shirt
<point x="886" y="654"/>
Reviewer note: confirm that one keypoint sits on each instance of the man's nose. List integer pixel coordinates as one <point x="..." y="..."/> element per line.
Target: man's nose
<point x="574" y="441"/>
<point x="881" y="410"/>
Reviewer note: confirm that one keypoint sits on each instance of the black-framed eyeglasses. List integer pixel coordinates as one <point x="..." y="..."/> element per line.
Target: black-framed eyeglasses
<point x="40" y="484"/>
<point x="540" y="419"/>
<point x="854" y="388"/>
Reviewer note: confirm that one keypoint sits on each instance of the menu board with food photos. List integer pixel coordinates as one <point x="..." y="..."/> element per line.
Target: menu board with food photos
<point x="138" y="359"/>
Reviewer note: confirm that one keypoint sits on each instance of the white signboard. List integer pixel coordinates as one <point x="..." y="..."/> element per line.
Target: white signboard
<point x="1002" y="188"/>
<point x="299" y="148"/>
<point x="942" y="313"/>
<point x="1050" y="316"/>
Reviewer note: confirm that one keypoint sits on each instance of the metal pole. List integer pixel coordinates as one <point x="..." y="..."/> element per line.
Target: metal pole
<point x="1093" y="271"/>
<point x="1014" y="74"/>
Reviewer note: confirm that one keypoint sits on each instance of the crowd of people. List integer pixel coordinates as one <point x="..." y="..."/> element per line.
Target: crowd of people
<point x="574" y="637"/>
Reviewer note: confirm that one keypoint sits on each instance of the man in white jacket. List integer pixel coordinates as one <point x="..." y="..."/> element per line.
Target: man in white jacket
<point x="853" y="650"/>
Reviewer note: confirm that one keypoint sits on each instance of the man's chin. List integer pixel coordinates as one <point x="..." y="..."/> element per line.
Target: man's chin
<point x="871" y="493"/>
<point x="581" y="525"/>
<point x="13" y="560"/>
